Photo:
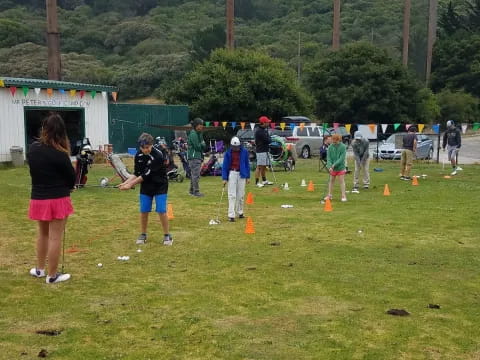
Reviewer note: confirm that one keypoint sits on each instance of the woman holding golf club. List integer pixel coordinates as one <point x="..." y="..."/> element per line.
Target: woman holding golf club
<point x="235" y="172"/>
<point x="336" y="154"/>
<point x="53" y="178"/>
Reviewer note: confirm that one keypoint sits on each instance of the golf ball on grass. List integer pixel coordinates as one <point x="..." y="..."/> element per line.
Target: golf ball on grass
<point x="99" y="265"/>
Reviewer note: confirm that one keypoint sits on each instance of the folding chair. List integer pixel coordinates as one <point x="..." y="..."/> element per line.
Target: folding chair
<point x="322" y="160"/>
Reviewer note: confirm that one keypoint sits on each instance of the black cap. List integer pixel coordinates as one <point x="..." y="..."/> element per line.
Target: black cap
<point x="196" y="122"/>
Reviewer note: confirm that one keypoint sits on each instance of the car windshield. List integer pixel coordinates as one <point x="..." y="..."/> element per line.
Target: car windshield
<point x="391" y="139"/>
<point x="245" y="133"/>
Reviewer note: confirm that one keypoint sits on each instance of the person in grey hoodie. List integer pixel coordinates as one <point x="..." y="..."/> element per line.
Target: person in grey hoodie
<point x="360" y="153"/>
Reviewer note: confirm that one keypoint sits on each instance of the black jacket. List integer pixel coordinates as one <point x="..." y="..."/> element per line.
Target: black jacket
<point x="262" y="140"/>
<point x="51" y="171"/>
<point x="452" y="137"/>
<point x="153" y="169"/>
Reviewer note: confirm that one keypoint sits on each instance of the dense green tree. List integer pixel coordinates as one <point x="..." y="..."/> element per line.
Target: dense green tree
<point x="240" y="86"/>
<point x="361" y="83"/>
<point x="458" y="106"/>
<point x="207" y="40"/>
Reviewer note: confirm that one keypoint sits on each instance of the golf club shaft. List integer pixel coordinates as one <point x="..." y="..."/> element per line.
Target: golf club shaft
<point x="271" y="167"/>
<point x="220" y="202"/>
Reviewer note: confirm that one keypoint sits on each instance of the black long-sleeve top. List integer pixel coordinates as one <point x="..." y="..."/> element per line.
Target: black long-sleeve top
<point x="51" y="171"/>
<point x="452" y="137"/>
<point x="153" y="170"/>
<point x="262" y="140"/>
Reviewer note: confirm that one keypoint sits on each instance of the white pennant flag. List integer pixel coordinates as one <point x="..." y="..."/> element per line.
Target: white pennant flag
<point x="384" y="128"/>
<point x="313" y="125"/>
<point x="104" y="94"/>
<point x="37" y="91"/>
<point x="464" y="128"/>
<point x="252" y="125"/>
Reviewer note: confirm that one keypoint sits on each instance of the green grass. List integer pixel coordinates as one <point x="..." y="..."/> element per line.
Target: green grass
<point x="218" y="293"/>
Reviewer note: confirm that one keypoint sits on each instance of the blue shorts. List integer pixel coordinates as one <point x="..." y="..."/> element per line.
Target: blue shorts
<point x="160" y="203"/>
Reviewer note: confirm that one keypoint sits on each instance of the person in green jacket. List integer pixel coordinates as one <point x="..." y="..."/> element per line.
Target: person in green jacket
<point x="196" y="148"/>
<point x="336" y="165"/>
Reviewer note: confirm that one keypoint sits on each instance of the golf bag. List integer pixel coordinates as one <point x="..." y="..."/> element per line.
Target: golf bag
<point x="84" y="155"/>
<point x="209" y="166"/>
<point x="180" y="148"/>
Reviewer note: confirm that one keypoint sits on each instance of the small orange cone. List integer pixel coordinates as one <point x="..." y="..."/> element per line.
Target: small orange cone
<point x="249" y="198"/>
<point x="415" y="181"/>
<point x="170" y="212"/>
<point x="275" y="189"/>
<point x="328" y="205"/>
<point x="249" y="228"/>
<point x="72" y="249"/>
<point x="386" y="191"/>
<point x="310" y="187"/>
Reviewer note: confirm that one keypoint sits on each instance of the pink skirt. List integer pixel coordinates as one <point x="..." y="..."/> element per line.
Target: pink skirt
<point x="336" y="173"/>
<point x="50" y="209"/>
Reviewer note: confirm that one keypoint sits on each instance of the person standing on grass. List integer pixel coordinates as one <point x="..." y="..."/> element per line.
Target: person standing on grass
<point x="262" y="142"/>
<point x="151" y="173"/>
<point x="409" y="148"/>
<point x="236" y="172"/>
<point x="360" y="153"/>
<point x="53" y="178"/>
<point x="196" y="148"/>
<point x="336" y="153"/>
<point x="452" y="139"/>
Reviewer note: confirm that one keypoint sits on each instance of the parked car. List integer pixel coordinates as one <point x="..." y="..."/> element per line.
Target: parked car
<point x="297" y="120"/>
<point x="392" y="147"/>
<point x="342" y="130"/>
<point x="307" y="140"/>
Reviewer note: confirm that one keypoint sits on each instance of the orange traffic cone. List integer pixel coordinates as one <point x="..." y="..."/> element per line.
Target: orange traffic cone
<point x="386" y="191"/>
<point x="275" y="189"/>
<point x="328" y="205"/>
<point x="415" y="181"/>
<point x="170" y="212"/>
<point x="249" y="228"/>
<point x="249" y="198"/>
<point x="310" y="187"/>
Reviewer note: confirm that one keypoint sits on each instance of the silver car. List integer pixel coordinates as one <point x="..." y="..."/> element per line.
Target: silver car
<point x="392" y="147"/>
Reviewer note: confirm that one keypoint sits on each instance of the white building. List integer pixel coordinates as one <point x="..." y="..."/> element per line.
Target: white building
<point x="24" y="103"/>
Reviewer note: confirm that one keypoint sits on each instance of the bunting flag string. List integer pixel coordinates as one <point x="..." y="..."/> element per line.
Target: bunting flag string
<point x="93" y="93"/>
<point x="215" y="123"/>
<point x="2" y="84"/>
<point x="104" y="94"/>
<point x="348" y="127"/>
<point x="420" y="127"/>
<point x="13" y="90"/>
<point x="476" y="126"/>
<point x="73" y="92"/>
<point x="37" y="91"/>
<point x="292" y="125"/>
<point x="395" y="126"/>
<point x="464" y="128"/>
<point x="336" y="125"/>
<point x="384" y="128"/>
<point x="224" y="124"/>
<point x="436" y="128"/>
<point x="234" y="124"/>
<point x="82" y="94"/>
<point x="207" y="123"/>
<point x="61" y="91"/>
<point x="372" y="128"/>
<point x="242" y="125"/>
<point x="25" y="91"/>
<point x="114" y="95"/>
<point x="407" y="126"/>
<point x="252" y="126"/>
<point x="282" y="126"/>
<point x="302" y="126"/>
<point x="272" y="125"/>
<point x="50" y="92"/>
<point x="313" y="125"/>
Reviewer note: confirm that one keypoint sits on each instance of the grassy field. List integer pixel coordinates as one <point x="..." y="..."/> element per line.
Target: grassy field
<point x="307" y="285"/>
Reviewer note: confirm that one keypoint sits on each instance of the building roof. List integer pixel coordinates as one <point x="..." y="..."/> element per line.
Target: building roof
<point x="53" y="84"/>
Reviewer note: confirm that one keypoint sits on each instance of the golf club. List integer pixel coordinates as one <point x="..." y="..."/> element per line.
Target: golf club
<point x="216" y="221"/>
<point x="325" y="193"/>
<point x="271" y="167"/>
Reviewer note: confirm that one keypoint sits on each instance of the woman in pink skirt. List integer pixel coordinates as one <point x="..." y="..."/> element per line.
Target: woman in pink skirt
<point x="336" y="153"/>
<point x="53" y="178"/>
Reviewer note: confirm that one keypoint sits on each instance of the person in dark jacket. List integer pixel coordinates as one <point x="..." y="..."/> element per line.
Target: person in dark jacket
<point x="262" y="141"/>
<point x="151" y="171"/>
<point x="236" y="172"/>
<point x="452" y="139"/>
<point x="196" y="148"/>
<point x="53" y="178"/>
<point x="409" y="143"/>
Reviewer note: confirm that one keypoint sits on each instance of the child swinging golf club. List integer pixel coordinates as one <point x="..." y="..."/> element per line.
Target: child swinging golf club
<point x="336" y="165"/>
<point x="236" y="172"/>
<point x="151" y="172"/>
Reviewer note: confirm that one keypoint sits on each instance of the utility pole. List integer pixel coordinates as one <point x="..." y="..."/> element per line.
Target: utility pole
<point x="432" y="35"/>
<point x="230" y="24"/>
<point x="406" y="31"/>
<point x="336" y="25"/>
<point x="53" y="42"/>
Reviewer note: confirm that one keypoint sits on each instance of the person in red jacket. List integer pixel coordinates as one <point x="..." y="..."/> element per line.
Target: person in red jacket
<point x="53" y="178"/>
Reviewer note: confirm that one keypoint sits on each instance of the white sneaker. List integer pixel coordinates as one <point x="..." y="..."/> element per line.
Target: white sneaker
<point x="454" y="172"/>
<point x="59" y="277"/>
<point x="168" y="240"/>
<point x="260" y="185"/>
<point x="37" y="272"/>
<point x="266" y="182"/>
<point x="458" y="168"/>
<point x="355" y="190"/>
<point x="344" y="199"/>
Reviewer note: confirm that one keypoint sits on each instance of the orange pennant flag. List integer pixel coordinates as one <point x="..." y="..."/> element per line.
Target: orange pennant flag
<point x="50" y="92"/>
<point x="372" y="127"/>
<point x="242" y="125"/>
<point x="302" y="126"/>
<point x="114" y="95"/>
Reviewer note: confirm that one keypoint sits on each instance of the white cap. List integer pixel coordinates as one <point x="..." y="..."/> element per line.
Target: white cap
<point x="358" y="135"/>
<point x="450" y="123"/>
<point x="235" y="141"/>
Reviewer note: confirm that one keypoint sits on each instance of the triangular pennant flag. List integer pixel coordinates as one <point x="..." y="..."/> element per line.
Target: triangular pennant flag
<point x="252" y="126"/>
<point x="436" y="128"/>
<point x="348" y="127"/>
<point x="282" y="126"/>
<point x="420" y="127"/>
<point x="302" y="126"/>
<point x="50" y="91"/>
<point x="464" y="128"/>
<point x="292" y="125"/>
<point x="207" y="123"/>
<point x="2" y="83"/>
<point x="13" y="90"/>
<point x="407" y="126"/>
<point x="215" y="123"/>
<point x="114" y="95"/>
<point x="73" y="92"/>
<point x="336" y="125"/>
<point x="476" y="126"/>
<point x="242" y="125"/>
<point x="313" y="125"/>
<point x="324" y="127"/>
<point x="82" y="94"/>
<point x="25" y="91"/>
<point x="104" y="94"/>
<point x="61" y="91"/>
<point x="234" y="124"/>
<point x="224" y="124"/>
<point x="395" y="126"/>
<point x="272" y="125"/>
<point x="37" y="91"/>
<point x="384" y="128"/>
<point x="372" y="127"/>
<point x="93" y="93"/>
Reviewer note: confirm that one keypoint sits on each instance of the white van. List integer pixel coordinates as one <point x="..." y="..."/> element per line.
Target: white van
<point x="308" y="140"/>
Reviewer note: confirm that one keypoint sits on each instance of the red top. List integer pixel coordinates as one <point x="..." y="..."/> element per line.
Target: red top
<point x="235" y="161"/>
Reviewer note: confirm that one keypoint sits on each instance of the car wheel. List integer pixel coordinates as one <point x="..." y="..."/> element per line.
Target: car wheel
<point x="430" y="154"/>
<point x="305" y="152"/>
